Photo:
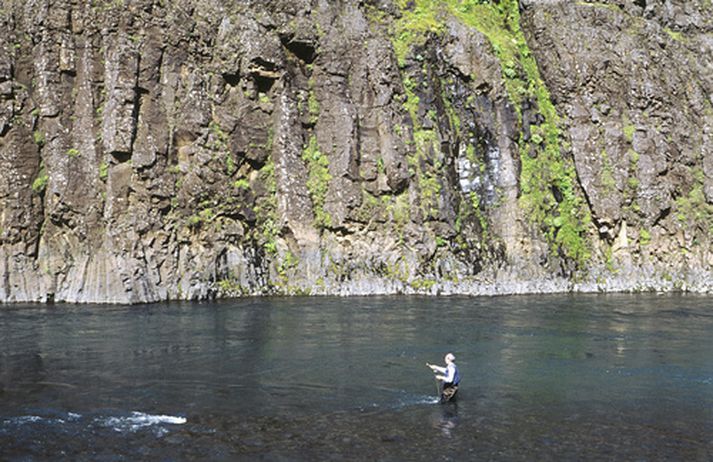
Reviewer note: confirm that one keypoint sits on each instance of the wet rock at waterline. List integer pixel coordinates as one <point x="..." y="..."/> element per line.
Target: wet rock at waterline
<point x="156" y="150"/>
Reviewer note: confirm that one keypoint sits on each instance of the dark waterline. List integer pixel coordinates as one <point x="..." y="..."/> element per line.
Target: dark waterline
<point x="585" y="377"/>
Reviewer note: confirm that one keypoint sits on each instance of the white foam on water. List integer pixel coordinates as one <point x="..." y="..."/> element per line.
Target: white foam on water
<point x="36" y="419"/>
<point x="427" y="400"/>
<point x="404" y="401"/>
<point x="139" y="420"/>
<point x="25" y="419"/>
<point x="417" y="400"/>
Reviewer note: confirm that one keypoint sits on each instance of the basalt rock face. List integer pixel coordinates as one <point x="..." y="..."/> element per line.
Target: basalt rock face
<point x="155" y="150"/>
<point x="634" y="87"/>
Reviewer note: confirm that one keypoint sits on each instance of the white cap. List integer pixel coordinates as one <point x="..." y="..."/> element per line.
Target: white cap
<point x="450" y="356"/>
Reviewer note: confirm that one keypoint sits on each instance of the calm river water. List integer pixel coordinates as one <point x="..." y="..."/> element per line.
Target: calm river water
<point x="566" y="377"/>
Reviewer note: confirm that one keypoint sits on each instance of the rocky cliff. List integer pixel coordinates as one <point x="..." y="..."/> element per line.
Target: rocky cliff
<point x="158" y="149"/>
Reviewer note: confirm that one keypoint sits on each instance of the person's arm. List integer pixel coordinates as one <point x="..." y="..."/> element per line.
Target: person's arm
<point x="435" y="368"/>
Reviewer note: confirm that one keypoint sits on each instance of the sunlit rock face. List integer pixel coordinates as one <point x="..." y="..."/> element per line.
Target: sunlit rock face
<point x="154" y="150"/>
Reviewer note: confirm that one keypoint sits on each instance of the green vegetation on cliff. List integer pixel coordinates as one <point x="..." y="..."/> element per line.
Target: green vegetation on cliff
<point x="318" y="180"/>
<point x="692" y="210"/>
<point x="40" y="183"/>
<point x="547" y="179"/>
<point x="266" y="209"/>
<point x="419" y="18"/>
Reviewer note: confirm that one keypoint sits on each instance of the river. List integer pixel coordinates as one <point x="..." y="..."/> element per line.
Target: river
<point x="560" y="377"/>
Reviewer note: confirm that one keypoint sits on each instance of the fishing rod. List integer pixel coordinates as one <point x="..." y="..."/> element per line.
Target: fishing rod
<point x="438" y="385"/>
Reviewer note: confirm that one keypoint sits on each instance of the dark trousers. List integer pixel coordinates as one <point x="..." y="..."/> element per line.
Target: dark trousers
<point x="449" y="392"/>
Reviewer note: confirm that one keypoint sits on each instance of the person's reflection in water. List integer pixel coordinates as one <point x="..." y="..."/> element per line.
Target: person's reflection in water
<point x="446" y="418"/>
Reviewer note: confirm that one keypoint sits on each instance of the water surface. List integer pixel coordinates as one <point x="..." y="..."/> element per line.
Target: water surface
<point x="615" y="377"/>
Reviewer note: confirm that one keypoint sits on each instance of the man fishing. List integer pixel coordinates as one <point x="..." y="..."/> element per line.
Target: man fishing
<point x="449" y="376"/>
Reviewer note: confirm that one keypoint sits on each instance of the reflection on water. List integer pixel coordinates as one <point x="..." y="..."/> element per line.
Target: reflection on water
<point x="446" y="418"/>
<point x="548" y="377"/>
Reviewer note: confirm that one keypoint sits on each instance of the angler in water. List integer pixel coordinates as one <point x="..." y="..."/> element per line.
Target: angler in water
<point x="449" y="376"/>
